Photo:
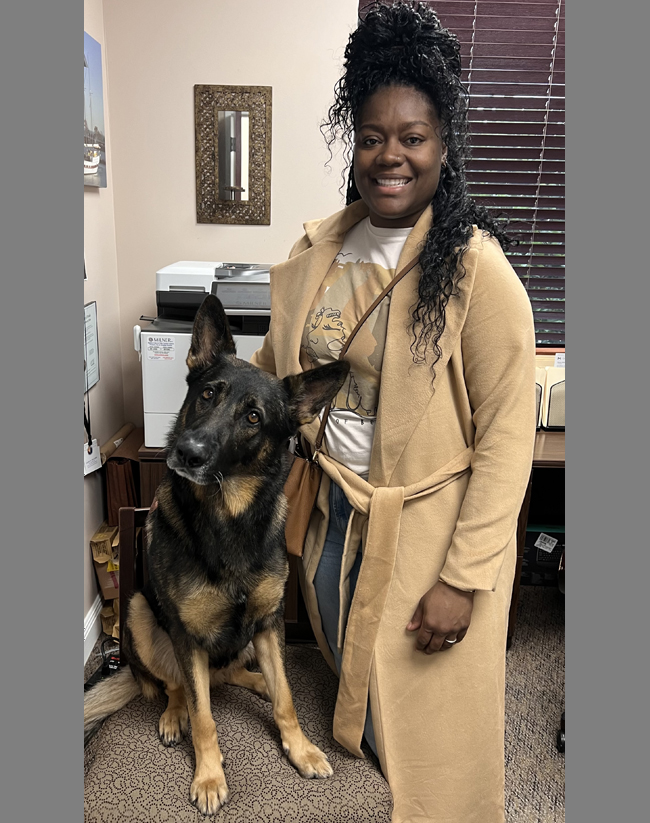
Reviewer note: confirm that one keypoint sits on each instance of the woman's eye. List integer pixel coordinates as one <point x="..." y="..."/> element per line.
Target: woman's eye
<point x="414" y="141"/>
<point x="253" y="417"/>
<point x="208" y="394"/>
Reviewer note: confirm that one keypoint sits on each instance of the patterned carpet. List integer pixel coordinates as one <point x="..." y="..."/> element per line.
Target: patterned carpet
<point x="130" y="776"/>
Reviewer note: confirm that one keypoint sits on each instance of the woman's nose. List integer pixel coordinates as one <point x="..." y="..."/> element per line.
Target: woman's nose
<point x="391" y="154"/>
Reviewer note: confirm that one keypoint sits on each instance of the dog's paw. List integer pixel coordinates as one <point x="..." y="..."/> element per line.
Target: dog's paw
<point x="172" y="726"/>
<point x="209" y="794"/>
<point x="258" y="685"/>
<point x="308" y="759"/>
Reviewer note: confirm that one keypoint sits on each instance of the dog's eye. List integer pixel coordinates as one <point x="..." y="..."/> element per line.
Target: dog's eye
<point x="208" y="394"/>
<point x="253" y="417"/>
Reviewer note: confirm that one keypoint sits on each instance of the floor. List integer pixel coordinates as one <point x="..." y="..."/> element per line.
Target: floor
<point x="534" y="703"/>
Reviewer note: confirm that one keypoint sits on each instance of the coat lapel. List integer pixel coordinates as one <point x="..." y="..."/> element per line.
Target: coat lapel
<point x="406" y="388"/>
<point x="295" y="282"/>
<point x="294" y="287"/>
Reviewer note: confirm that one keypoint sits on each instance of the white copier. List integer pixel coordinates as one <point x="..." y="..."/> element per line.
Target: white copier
<point x="243" y="288"/>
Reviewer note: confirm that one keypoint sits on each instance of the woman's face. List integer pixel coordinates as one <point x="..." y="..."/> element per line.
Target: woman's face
<point x="398" y="153"/>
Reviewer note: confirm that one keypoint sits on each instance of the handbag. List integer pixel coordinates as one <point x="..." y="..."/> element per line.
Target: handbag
<point x="303" y="482"/>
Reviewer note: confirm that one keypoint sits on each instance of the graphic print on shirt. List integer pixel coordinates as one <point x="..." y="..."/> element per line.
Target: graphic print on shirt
<point x="347" y="291"/>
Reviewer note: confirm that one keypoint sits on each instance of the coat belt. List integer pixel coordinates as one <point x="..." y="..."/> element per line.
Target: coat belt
<point x="376" y="516"/>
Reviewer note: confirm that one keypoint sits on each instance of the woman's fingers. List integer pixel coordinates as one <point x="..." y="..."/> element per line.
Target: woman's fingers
<point x="416" y="620"/>
<point x="436" y="643"/>
<point x="441" y="619"/>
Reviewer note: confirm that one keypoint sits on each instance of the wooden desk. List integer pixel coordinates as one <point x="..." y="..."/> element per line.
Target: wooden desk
<point x="549" y="450"/>
<point x="549" y="454"/>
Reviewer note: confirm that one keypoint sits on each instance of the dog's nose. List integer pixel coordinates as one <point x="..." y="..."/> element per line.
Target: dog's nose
<point x="192" y="453"/>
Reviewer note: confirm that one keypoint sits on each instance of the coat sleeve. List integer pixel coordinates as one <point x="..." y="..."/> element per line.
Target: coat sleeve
<point x="498" y="348"/>
<point x="264" y="357"/>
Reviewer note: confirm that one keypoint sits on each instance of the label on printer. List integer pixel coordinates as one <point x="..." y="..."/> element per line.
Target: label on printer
<point x="243" y="295"/>
<point x="161" y="347"/>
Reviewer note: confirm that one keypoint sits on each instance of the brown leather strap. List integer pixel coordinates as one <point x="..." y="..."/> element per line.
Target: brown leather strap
<point x="402" y="273"/>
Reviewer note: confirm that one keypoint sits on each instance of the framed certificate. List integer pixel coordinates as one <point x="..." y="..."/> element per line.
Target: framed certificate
<point x="91" y="346"/>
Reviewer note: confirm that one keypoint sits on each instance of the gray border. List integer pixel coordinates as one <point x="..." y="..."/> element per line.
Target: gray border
<point x="607" y="464"/>
<point x="41" y="512"/>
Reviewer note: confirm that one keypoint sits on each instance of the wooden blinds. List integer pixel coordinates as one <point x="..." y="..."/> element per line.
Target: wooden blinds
<point x="513" y="68"/>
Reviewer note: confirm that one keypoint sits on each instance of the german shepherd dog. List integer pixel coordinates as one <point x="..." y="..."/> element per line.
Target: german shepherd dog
<point x="217" y="556"/>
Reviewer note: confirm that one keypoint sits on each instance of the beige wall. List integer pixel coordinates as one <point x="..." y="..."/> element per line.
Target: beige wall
<point x="107" y="396"/>
<point x="157" y="50"/>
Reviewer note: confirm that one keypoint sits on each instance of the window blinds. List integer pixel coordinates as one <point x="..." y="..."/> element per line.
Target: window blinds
<point x="513" y="68"/>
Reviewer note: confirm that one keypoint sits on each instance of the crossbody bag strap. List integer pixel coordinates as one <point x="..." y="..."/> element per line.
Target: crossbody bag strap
<point x="402" y="273"/>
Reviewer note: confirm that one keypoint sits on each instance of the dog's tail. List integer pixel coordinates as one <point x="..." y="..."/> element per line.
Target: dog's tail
<point x="106" y="697"/>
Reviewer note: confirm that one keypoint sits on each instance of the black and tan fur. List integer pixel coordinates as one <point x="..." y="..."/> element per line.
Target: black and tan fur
<point x="216" y="556"/>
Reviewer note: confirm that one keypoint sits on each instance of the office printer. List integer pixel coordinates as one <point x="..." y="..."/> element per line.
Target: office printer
<point x="163" y="344"/>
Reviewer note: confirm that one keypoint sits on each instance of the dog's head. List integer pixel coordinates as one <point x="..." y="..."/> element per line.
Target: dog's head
<point x="236" y="418"/>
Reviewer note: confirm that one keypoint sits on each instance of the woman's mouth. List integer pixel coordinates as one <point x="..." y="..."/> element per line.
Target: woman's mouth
<point x="392" y="182"/>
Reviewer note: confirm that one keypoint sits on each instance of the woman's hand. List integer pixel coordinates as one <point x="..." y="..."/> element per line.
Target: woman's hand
<point x="442" y="615"/>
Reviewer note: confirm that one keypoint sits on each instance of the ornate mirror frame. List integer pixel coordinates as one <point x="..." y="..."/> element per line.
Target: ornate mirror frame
<point x="208" y="101"/>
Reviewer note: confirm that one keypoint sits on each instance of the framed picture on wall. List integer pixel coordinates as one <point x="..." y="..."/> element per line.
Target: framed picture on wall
<point x="91" y="346"/>
<point x="94" y="130"/>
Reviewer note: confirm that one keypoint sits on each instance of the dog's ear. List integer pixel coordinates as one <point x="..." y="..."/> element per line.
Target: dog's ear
<point x="310" y="391"/>
<point x="211" y="335"/>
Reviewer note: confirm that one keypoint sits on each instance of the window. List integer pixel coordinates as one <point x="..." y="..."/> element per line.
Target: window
<point x="513" y="68"/>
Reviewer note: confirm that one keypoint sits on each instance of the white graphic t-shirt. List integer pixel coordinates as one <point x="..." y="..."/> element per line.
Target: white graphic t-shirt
<point x="361" y="271"/>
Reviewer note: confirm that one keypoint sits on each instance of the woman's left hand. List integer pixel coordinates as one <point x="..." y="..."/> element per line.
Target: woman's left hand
<point x="442" y="616"/>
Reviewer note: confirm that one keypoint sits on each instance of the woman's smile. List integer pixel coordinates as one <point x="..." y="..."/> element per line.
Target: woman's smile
<point x="392" y="182"/>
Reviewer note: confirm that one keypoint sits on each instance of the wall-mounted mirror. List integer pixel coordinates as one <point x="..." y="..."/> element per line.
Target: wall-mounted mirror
<point x="233" y="154"/>
<point x="233" y="131"/>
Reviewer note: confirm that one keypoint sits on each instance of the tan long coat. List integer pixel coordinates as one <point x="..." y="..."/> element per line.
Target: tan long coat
<point x="447" y="477"/>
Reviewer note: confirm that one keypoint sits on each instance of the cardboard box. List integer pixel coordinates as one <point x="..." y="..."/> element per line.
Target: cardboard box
<point x="108" y="580"/>
<point x="108" y="617"/>
<point x="123" y="475"/>
<point x="101" y="543"/>
<point x="541" y="562"/>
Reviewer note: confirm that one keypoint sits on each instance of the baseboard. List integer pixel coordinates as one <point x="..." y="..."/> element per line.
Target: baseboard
<point x="92" y="627"/>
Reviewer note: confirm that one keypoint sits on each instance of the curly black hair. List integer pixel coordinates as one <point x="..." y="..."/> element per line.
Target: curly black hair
<point x="404" y="44"/>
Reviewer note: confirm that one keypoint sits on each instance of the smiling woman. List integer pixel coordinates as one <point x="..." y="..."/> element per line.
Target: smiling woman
<point x="408" y="565"/>
<point x="398" y="154"/>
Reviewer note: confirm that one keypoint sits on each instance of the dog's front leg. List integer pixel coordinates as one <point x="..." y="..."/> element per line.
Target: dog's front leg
<point x="307" y="758"/>
<point x="209" y="791"/>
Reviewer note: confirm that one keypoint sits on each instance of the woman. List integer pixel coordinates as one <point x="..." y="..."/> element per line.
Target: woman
<point x="409" y="561"/>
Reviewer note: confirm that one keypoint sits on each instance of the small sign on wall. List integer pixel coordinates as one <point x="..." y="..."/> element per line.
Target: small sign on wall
<point x="91" y="346"/>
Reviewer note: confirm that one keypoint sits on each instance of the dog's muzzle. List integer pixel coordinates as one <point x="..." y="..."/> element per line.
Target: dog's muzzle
<point x="189" y="455"/>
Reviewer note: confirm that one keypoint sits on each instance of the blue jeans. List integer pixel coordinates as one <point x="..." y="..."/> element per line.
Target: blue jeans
<point x="326" y="581"/>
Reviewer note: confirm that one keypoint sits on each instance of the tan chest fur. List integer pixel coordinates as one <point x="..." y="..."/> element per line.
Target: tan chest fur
<point x="204" y="608"/>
